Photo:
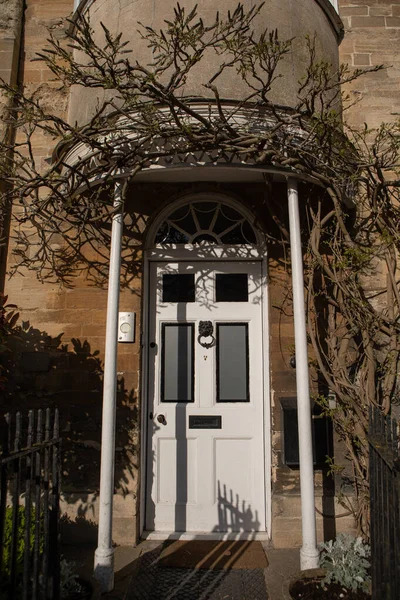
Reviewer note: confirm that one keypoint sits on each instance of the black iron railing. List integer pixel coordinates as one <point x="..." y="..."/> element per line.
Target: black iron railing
<point x="29" y="506"/>
<point x="385" y="506"/>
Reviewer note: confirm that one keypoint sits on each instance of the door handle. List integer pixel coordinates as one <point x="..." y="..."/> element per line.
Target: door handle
<point x="161" y="419"/>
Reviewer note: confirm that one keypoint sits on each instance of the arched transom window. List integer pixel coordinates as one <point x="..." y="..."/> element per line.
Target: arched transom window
<point x="205" y="222"/>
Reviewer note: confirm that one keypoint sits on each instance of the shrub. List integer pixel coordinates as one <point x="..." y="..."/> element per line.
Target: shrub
<point x="5" y="567"/>
<point x="346" y="562"/>
<point x="6" y="563"/>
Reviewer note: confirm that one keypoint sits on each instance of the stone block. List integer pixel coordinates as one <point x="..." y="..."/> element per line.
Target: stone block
<point x="6" y="61"/>
<point x="346" y="524"/>
<point x="346" y="58"/>
<point x="5" y="74"/>
<point x="346" y="23"/>
<point x="130" y="381"/>
<point x="361" y="60"/>
<point x="125" y="506"/>
<point x="32" y="75"/>
<point x="367" y="22"/>
<point x="55" y="300"/>
<point x="283" y="381"/>
<point x="96" y="329"/>
<point x="125" y="531"/>
<point x="89" y="297"/>
<point x="128" y="362"/>
<point x="60" y="316"/>
<point x="380" y="10"/>
<point x="287" y="534"/>
<point x="392" y="22"/>
<point x="347" y="46"/>
<point x="351" y="11"/>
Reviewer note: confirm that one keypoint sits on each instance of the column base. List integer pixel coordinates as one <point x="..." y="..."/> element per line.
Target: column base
<point x="104" y="568"/>
<point x="309" y="559"/>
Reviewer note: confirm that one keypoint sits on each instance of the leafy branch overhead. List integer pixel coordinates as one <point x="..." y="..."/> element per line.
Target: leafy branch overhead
<point x="146" y="117"/>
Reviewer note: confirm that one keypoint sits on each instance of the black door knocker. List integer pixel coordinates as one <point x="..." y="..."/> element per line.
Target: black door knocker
<point x="206" y="330"/>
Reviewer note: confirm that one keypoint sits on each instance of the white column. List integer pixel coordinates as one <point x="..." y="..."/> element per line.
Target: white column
<point x="309" y="553"/>
<point x="104" y="555"/>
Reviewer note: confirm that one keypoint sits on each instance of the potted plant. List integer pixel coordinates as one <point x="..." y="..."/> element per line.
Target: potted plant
<point x="343" y="573"/>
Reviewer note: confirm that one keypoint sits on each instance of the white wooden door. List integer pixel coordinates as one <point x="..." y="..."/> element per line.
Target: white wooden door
<point x="205" y="468"/>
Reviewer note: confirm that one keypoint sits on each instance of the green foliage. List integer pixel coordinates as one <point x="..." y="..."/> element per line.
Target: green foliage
<point x="69" y="584"/>
<point x="20" y="550"/>
<point x="5" y="567"/>
<point x="346" y="562"/>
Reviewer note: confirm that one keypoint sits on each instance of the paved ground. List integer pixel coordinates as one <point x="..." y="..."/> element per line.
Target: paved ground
<point x="156" y="582"/>
<point x="132" y="583"/>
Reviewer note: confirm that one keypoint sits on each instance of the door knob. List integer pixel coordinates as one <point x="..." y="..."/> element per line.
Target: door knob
<point x="161" y="419"/>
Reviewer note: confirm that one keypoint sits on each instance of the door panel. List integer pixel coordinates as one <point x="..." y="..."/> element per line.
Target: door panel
<point x="167" y="492"/>
<point x="206" y="449"/>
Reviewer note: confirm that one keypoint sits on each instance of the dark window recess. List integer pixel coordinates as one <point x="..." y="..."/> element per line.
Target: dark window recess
<point x="224" y="222"/>
<point x="168" y="234"/>
<point x="178" y="288"/>
<point x="177" y="362"/>
<point x="232" y="362"/>
<point x="321" y="432"/>
<point x="234" y="236"/>
<point x="204" y="213"/>
<point x="248" y="233"/>
<point x="205" y="237"/>
<point x="231" y="287"/>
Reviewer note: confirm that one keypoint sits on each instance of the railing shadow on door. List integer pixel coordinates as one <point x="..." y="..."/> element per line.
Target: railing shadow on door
<point x="233" y="514"/>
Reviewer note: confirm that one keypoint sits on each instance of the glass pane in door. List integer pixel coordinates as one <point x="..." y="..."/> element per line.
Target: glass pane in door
<point x="232" y="362"/>
<point x="177" y="362"/>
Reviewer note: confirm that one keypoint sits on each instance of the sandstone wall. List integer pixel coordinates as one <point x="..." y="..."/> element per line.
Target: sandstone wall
<point x="10" y="39"/>
<point x="10" y="45"/>
<point x="58" y="358"/>
<point x="372" y="37"/>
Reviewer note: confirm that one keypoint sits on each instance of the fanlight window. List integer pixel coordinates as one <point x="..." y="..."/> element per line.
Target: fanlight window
<point x="205" y="223"/>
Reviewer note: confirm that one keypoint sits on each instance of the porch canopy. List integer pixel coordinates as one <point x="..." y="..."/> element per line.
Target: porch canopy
<point x="126" y="151"/>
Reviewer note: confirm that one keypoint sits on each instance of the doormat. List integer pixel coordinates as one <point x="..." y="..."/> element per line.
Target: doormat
<point x="154" y="582"/>
<point x="213" y="555"/>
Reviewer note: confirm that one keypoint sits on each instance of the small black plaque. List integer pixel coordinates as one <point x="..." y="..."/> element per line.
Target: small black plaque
<point x="205" y="422"/>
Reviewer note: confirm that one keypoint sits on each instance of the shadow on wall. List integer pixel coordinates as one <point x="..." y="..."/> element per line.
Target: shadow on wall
<point x="43" y="372"/>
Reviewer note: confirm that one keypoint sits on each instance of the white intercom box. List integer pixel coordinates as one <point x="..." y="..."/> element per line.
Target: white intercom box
<point x="126" y="327"/>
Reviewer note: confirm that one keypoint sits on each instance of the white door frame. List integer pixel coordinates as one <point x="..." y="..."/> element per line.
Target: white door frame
<point x="203" y="253"/>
